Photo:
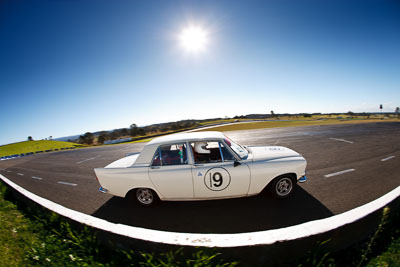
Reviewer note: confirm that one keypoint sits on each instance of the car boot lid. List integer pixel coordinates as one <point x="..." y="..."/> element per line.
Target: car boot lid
<point x="270" y="152"/>
<point x="124" y="162"/>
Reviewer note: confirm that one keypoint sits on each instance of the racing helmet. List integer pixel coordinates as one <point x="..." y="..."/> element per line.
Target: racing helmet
<point x="200" y="147"/>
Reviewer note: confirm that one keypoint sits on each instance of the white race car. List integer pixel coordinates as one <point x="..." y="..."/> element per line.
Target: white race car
<point x="200" y="166"/>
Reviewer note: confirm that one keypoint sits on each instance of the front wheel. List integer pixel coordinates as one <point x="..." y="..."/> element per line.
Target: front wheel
<point x="282" y="187"/>
<point x="146" y="197"/>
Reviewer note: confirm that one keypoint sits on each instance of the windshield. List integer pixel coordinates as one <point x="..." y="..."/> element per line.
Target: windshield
<point x="239" y="150"/>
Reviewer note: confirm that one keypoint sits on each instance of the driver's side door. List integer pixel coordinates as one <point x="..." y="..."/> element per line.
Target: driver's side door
<point x="215" y="174"/>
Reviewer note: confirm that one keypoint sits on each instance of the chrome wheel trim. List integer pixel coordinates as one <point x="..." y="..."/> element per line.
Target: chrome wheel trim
<point x="284" y="186"/>
<point x="145" y="196"/>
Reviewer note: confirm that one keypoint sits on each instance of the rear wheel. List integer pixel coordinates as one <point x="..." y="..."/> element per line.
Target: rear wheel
<point x="146" y="197"/>
<point x="283" y="186"/>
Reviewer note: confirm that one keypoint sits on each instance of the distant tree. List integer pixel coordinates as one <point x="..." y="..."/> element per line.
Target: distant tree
<point x="87" y="138"/>
<point x="350" y="113"/>
<point x="307" y="116"/>
<point x="272" y="114"/>
<point x="124" y="132"/>
<point x="141" y="131"/>
<point x="164" y="128"/>
<point x="397" y="111"/>
<point x="134" y="130"/>
<point x="150" y="129"/>
<point x="81" y="139"/>
<point x="103" y="136"/>
<point x="30" y="138"/>
<point x="114" y="135"/>
<point x="175" y="126"/>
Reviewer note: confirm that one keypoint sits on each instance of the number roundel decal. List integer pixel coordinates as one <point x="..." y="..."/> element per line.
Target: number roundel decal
<point x="217" y="179"/>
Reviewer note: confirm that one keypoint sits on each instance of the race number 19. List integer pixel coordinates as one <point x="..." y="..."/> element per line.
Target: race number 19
<point x="217" y="179"/>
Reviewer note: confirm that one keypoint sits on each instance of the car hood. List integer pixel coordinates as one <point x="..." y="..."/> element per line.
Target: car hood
<point x="270" y="152"/>
<point x="124" y="162"/>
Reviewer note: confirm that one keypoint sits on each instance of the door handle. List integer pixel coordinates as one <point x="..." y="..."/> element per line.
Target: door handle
<point x="198" y="165"/>
<point x="154" y="167"/>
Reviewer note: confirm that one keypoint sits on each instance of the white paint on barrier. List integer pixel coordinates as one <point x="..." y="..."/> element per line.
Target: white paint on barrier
<point x="388" y="158"/>
<point x="339" y="173"/>
<point x="217" y="240"/>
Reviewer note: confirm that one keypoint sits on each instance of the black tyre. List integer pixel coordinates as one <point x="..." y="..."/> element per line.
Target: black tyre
<point x="146" y="197"/>
<point x="283" y="186"/>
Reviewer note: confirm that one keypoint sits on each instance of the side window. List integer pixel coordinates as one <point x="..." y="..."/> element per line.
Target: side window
<point x="170" y="155"/>
<point x="226" y="153"/>
<point x="206" y="152"/>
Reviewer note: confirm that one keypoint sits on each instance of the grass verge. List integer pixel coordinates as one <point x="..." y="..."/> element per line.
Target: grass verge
<point x="32" y="237"/>
<point x="381" y="249"/>
<point x="291" y="123"/>
<point x="35" y="146"/>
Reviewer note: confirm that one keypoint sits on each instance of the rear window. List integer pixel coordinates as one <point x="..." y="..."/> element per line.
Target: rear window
<point x="166" y="155"/>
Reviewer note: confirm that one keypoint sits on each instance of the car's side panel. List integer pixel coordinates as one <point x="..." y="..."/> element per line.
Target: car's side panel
<point x="173" y="182"/>
<point x="264" y="171"/>
<point x="219" y="180"/>
<point x="119" y="181"/>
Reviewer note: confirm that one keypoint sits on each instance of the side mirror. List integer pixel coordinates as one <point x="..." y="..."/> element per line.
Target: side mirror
<point x="236" y="163"/>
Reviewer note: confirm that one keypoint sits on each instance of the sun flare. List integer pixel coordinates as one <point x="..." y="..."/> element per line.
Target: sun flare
<point x="193" y="39"/>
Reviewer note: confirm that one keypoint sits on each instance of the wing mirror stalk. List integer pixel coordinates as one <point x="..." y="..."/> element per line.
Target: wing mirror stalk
<point x="236" y="163"/>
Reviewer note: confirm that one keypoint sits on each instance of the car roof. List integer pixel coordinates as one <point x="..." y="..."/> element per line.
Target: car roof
<point x="148" y="151"/>
<point x="183" y="137"/>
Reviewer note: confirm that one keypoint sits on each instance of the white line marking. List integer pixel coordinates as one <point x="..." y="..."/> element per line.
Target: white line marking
<point x="277" y="142"/>
<point x="342" y="140"/>
<point x="385" y="159"/>
<point x="20" y="174"/>
<point x="37" y="178"/>
<point x="71" y="184"/>
<point x="8" y="171"/>
<point x="339" y="173"/>
<point x="79" y="162"/>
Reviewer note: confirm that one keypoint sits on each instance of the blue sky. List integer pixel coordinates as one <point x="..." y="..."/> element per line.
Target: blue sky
<point x="68" y="67"/>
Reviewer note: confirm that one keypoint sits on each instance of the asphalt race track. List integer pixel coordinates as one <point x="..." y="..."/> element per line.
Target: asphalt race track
<point x="348" y="166"/>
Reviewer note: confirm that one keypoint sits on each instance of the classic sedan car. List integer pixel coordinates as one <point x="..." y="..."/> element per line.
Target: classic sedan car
<point x="201" y="166"/>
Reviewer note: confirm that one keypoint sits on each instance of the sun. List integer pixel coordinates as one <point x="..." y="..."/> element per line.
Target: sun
<point x="193" y="39"/>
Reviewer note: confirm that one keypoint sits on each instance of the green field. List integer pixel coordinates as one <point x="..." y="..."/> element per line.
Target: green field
<point x="293" y="123"/>
<point x="35" y="146"/>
